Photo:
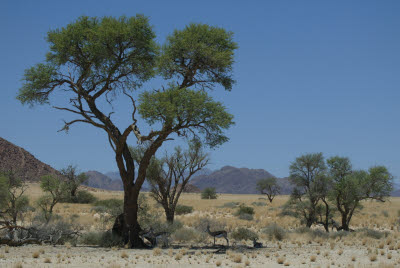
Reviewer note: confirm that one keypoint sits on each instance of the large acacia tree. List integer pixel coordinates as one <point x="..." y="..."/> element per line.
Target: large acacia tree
<point x="95" y="59"/>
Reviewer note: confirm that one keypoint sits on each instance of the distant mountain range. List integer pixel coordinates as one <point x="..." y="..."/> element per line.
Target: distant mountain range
<point x="226" y="180"/>
<point x="234" y="180"/>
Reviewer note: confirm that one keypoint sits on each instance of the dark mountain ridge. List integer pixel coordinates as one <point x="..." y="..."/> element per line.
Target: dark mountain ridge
<point x="17" y="159"/>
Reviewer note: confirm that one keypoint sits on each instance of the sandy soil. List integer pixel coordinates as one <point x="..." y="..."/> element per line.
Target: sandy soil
<point x="289" y="254"/>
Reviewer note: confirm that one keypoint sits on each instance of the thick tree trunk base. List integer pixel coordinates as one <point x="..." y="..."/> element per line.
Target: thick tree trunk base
<point x="129" y="236"/>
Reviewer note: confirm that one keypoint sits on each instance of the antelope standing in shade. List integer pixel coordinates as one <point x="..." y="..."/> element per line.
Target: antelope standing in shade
<point x="257" y="244"/>
<point x="218" y="234"/>
<point x="155" y="237"/>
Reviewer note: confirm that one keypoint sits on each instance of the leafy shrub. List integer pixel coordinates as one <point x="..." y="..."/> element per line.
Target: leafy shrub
<point x="319" y="233"/>
<point x="244" y="234"/>
<point x="245" y="216"/>
<point x="182" y="209"/>
<point x="245" y="210"/>
<point x="159" y="226"/>
<point x="373" y="233"/>
<point x="185" y="235"/>
<point x="274" y="231"/>
<point x="338" y="234"/>
<point x="209" y="193"/>
<point x="259" y="204"/>
<point x="385" y="213"/>
<point x="201" y="225"/>
<point x="102" y="239"/>
<point x="230" y="205"/>
<point x="302" y="230"/>
<point x="245" y="213"/>
<point x="82" y="197"/>
<point x="109" y="203"/>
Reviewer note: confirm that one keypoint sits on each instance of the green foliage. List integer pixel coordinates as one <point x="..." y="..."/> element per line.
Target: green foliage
<point x="93" y="47"/>
<point x="209" y="193"/>
<point x="259" y="204"/>
<point x="186" y="235"/>
<point x="274" y="231"/>
<point x="102" y="239"/>
<point x="55" y="190"/>
<point x="81" y="197"/>
<point x="202" y="224"/>
<point x="245" y="210"/>
<point x="73" y="181"/>
<point x="374" y="233"/>
<point x="13" y="202"/>
<point x="187" y="108"/>
<point x="244" y="234"/>
<point x="182" y="209"/>
<point x="230" y="205"/>
<point x="204" y="51"/>
<point x="109" y="208"/>
<point x="269" y="187"/>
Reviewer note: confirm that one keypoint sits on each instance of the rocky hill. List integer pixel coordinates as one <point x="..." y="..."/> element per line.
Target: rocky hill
<point x="237" y="180"/>
<point x="13" y="157"/>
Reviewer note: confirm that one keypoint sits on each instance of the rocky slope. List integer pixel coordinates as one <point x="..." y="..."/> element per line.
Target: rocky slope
<point x="13" y="157"/>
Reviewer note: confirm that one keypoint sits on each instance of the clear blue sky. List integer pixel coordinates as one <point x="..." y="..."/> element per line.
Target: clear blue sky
<point x="313" y="76"/>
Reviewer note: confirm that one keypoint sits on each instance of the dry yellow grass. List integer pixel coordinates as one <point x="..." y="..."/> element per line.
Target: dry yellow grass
<point x="296" y="248"/>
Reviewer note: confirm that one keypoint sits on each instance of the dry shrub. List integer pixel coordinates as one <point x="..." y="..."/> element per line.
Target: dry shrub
<point x="280" y="260"/>
<point x="6" y="249"/>
<point x="373" y="257"/>
<point x="47" y="260"/>
<point x="35" y="254"/>
<point x="124" y="255"/>
<point x="157" y="251"/>
<point x="237" y="258"/>
<point x="18" y="265"/>
<point x="178" y="256"/>
<point x="274" y="231"/>
<point x="247" y="262"/>
<point x="218" y="263"/>
<point x="340" y="252"/>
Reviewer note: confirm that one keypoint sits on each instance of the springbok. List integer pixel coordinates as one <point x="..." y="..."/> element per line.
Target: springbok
<point x="218" y="234"/>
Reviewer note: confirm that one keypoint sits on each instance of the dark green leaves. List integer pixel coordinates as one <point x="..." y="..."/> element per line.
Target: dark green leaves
<point x="183" y="109"/>
<point x="93" y="56"/>
<point x="199" y="55"/>
<point x="39" y="81"/>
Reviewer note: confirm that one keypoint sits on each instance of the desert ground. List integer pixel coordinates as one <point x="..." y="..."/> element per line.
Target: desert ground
<point x="375" y="242"/>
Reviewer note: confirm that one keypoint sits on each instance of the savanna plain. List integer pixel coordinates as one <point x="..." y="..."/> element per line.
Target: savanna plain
<point x="374" y="243"/>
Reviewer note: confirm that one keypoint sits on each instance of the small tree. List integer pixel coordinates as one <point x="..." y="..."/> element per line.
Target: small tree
<point x="170" y="175"/>
<point x="73" y="180"/>
<point x="13" y="202"/>
<point x="307" y="174"/>
<point x="269" y="187"/>
<point x="209" y="193"/>
<point x="352" y="187"/>
<point x="54" y="189"/>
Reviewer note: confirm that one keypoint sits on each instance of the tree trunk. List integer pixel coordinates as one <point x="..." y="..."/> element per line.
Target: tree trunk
<point x="170" y="213"/>
<point x="132" y="228"/>
<point x="345" y="225"/>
